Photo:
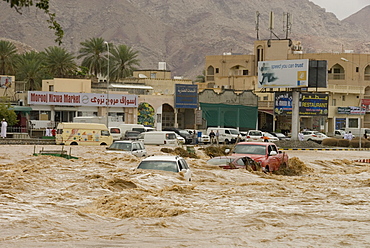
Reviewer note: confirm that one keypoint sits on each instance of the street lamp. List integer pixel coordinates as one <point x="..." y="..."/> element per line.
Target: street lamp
<point x="107" y="44"/>
<point x="360" y="104"/>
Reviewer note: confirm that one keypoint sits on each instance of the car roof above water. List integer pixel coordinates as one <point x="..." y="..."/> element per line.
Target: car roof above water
<point x="162" y="157"/>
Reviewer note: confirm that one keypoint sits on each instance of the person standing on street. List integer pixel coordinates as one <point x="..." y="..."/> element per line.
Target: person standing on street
<point x="4" y="126"/>
<point x="217" y="137"/>
<point x="212" y="136"/>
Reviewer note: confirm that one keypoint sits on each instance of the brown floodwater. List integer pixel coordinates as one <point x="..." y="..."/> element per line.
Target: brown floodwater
<point x="100" y="200"/>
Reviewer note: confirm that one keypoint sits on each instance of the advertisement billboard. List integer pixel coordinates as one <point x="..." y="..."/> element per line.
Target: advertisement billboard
<point x="5" y="82"/>
<point x="186" y="96"/>
<point x="283" y="73"/>
<point x="81" y="99"/>
<point x="310" y="104"/>
<point x="351" y="110"/>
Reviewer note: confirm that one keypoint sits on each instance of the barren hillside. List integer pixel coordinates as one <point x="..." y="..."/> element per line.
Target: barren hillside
<point x="182" y="33"/>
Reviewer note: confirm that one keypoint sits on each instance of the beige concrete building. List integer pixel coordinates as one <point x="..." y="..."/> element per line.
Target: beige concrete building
<point x="348" y="83"/>
<point x="155" y="88"/>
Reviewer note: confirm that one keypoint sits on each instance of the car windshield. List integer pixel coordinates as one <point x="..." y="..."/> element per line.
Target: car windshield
<point x="232" y="131"/>
<point x="250" y="149"/>
<point x="220" y="161"/>
<point x="121" y="146"/>
<point x="159" y="165"/>
<point x="255" y="133"/>
<point x="269" y="135"/>
<point x="184" y="132"/>
<point x="115" y="130"/>
<point x="132" y="134"/>
<point x="280" y="135"/>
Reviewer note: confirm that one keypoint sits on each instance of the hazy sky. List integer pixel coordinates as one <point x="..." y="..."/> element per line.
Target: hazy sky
<point x="342" y="8"/>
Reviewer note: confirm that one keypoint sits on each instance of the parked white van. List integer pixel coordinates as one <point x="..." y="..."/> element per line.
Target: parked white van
<point x="159" y="138"/>
<point x="226" y="135"/>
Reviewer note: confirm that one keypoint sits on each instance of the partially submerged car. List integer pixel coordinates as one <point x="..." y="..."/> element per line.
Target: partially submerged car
<point x="266" y="153"/>
<point x="233" y="162"/>
<point x="166" y="163"/>
<point x="128" y="146"/>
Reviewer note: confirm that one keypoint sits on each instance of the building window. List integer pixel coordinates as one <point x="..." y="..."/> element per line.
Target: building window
<point x="353" y="122"/>
<point x="153" y="75"/>
<point x="259" y="53"/>
<point x="51" y="87"/>
<point x="265" y="98"/>
<point x="217" y="70"/>
<point x="343" y="98"/>
<point x="334" y="102"/>
<point x="336" y="72"/>
<point x="245" y="72"/>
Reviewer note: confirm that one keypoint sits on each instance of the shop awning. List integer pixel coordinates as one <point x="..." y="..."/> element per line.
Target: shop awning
<point x="21" y="108"/>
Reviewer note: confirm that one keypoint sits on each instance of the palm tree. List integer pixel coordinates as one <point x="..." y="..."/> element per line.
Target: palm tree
<point x="7" y="54"/>
<point x="92" y="53"/>
<point x="201" y="78"/>
<point x="30" y="68"/>
<point x="124" y="60"/>
<point x="59" y="62"/>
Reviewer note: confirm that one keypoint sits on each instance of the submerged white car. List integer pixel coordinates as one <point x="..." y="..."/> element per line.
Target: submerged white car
<point x="128" y="146"/>
<point x="166" y="163"/>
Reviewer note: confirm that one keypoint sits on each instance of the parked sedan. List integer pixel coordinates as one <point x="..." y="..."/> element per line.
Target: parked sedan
<point x="281" y="136"/>
<point x="233" y="162"/>
<point x="128" y="146"/>
<point x="166" y="163"/>
<point x="254" y="136"/>
<point x="270" y="137"/>
<point x="313" y="136"/>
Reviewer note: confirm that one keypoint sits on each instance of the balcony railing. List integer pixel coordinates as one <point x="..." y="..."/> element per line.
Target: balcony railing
<point x="336" y="76"/>
<point x="210" y="78"/>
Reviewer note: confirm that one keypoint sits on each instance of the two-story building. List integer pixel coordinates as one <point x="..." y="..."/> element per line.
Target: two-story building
<point x="348" y="84"/>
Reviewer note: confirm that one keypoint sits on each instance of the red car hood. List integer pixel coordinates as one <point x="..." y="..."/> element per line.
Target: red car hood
<point x="255" y="157"/>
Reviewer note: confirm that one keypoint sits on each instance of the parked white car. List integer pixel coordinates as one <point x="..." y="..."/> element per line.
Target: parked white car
<point x="314" y="136"/>
<point x="128" y="146"/>
<point x="166" y="163"/>
<point x="180" y="139"/>
<point x="271" y="138"/>
<point x="254" y="136"/>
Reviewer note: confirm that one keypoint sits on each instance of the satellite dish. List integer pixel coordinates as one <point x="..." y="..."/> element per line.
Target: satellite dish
<point x="142" y="76"/>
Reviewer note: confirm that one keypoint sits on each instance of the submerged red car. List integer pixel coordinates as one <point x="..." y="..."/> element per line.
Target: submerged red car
<point x="266" y="153"/>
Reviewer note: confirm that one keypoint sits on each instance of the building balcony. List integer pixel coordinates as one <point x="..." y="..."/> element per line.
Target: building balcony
<point x="336" y="76"/>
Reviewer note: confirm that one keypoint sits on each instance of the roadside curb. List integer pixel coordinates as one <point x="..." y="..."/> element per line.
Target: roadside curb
<point x="324" y="149"/>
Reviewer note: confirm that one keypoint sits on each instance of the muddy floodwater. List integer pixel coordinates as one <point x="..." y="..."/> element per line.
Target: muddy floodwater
<point x="99" y="200"/>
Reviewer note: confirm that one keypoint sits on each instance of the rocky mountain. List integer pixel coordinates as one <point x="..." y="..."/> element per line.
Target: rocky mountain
<point x="182" y="33"/>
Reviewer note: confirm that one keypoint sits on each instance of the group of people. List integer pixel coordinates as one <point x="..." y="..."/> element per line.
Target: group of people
<point x="50" y="132"/>
<point x="348" y="136"/>
<point x="214" y="137"/>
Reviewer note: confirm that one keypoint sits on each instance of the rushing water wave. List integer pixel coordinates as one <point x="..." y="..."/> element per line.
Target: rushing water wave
<point x="100" y="200"/>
